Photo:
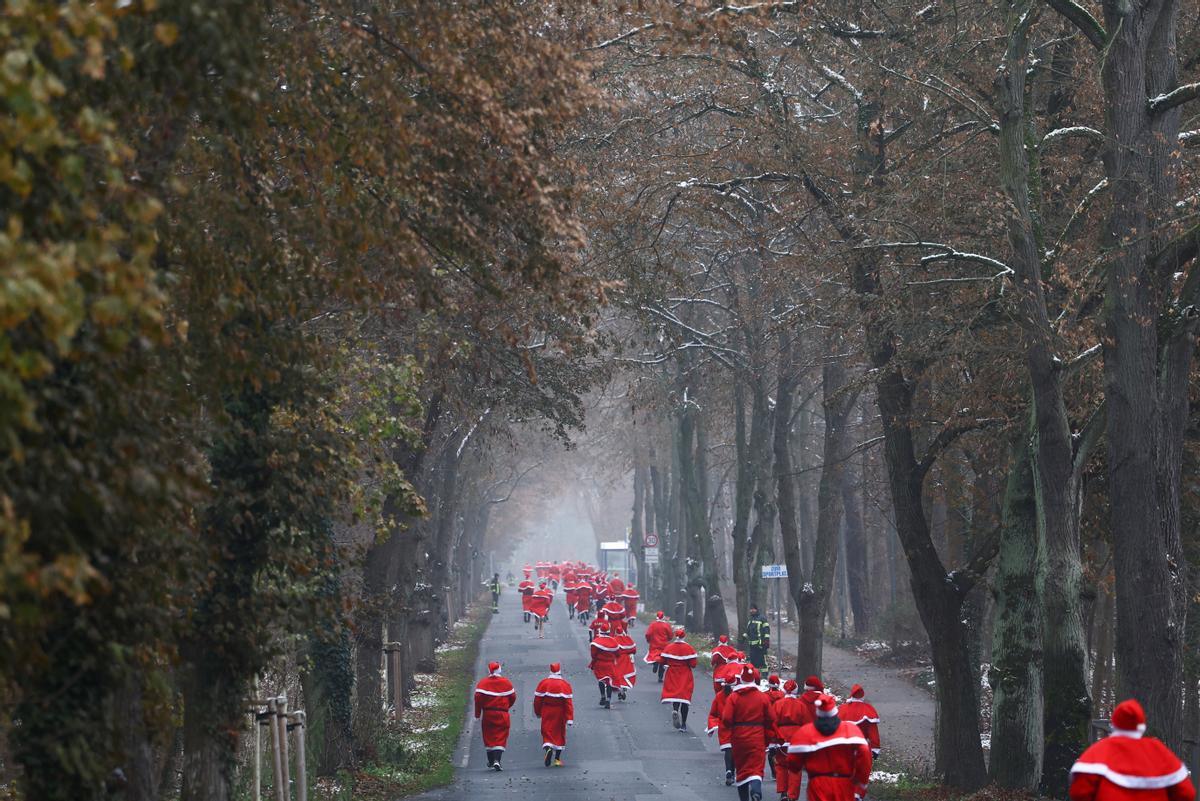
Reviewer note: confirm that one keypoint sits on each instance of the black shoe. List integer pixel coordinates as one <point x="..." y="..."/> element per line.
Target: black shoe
<point x="729" y="778"/>
<point x="496" y="767"/>
<point x="550" y="757"/>
<point x="621" y="695"/>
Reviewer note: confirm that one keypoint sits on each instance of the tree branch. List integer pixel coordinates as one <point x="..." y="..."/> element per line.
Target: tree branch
<point x="1173" y="99"/>
<point x="1079" y="16"/>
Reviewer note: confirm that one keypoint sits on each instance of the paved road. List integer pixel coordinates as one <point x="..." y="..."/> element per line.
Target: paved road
<point x="628" y="753"/>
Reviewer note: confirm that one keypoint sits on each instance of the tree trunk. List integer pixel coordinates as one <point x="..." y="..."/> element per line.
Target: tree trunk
<point x="857" y="573"/>
<point x="212" y="705"/>
<point x="715" y="620"/>
<point x="813" y="600"/>
<point x="1145" y="396"/>
<point x="743" y="500"/>
<point x="1016" y="674"/>
<point x="637" y="526"/>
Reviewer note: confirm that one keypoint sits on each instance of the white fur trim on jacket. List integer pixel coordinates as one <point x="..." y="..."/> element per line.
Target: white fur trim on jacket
<point x="498" y="695"/>
<point x="1132" y="782"/>
<point x="808" y="749"/>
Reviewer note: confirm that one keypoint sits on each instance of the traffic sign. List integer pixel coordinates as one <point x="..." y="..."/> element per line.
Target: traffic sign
<point x="650" y="540"/>
<point x="774" y="571"/>
<point x="651" y="555"/>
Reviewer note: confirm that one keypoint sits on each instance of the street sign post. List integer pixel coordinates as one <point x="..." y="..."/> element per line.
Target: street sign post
<point x="777" y="572"/>
<point x="651" y="553"/>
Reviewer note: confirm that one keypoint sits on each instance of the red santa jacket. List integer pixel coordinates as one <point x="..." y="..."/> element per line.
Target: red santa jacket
<point x="728" y="673"/>
<point x="678" y="683"/>
<point x="614" y="609"/>
<point x="583" y="596"/>
<point x="809" y="700"/>
<point x="553" y="704"/>
<point x="1130" y="768"/>
<point x="630" y="598"/>
<point x="790" y="715"/>
<point x="657" y="635"/>
<point x="863" y="715"/>
<point x="527" y="589"/>
<point x="626" y="668"/>
<point x="751" y="722"/>
<point x="494" y="696"/>
<point x="605" y="651"/>
<point x="722" y="654"/>
<point x="838" y="764"/>
<point x="539" y="604"/>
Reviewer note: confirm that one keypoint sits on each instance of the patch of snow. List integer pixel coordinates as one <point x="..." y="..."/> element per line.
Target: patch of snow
<point x="884" y="777"/>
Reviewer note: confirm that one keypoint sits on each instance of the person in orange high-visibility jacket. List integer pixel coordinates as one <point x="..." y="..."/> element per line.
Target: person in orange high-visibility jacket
<point x="1128" y="766"/>
<point x="657" y="635"/>
<point x="833" y="753"/>
<point x="750" y="718"/>
<point x="553" y="704"/>
<point x="494" y="696"/>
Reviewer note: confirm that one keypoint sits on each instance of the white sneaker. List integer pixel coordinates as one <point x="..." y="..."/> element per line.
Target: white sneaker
<point x="676" y="719"/>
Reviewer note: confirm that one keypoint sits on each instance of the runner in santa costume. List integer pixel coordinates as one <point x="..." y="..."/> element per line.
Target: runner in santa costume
<point x="813" y="689"/>
<point x="722" y="653"/>
<point x="862" y="715"/>
<point x="552" y="702"/>
<point x="626" y="668"/>
<point x="790" y="715"/>
<point x="539" y="607"/>
<point x="583" y="600"/>
<point x="657" y="635"/>
<point x="570" y="592"/>
<point x="1127" y="766"/>
<point x="714" y="725"/>
<point x="526" y="588"/>
<point x="730" y="672"/>
<point x="630" y="598"/>
<point x="774" y="691"/>
<point x="614" y="609"/>
<point x="750" y="718"/>
<point x="833" y="752"/>
<point x="680" y="661"/>
<point x="604" y="661"/>
<point x="494" y="696"/>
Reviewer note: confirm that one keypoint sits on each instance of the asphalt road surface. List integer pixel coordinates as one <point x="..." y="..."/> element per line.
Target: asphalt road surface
<point x="626" y="753"/>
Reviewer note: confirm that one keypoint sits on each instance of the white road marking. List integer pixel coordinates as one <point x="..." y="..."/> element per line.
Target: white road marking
<point x="467" y="744"/>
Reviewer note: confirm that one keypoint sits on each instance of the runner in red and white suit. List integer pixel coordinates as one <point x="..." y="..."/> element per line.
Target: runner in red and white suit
<point x="750" y="718"/>
<point x="614" y="609"/>
<point x="494" y="696"/>
<point x="1128" y="766"/>
<point x="526" y="588"/>
<point x="680" y="660"/>
<point x="723" y="652"/>
<point x="553" y="704"/>
<point x="626" y="668"/>
<point x="790" y="715"/>
<point x="604" y="661"/>
<point x="539" y="607"/>
<point x="570" y="584"/>
<point x="657" y="635"/>
<point x="862" y="715"/>
<point x="813" y="689"/>
<point x="714" y="725"/>
<point x="730" y="672"/>
<point x="630" y="598"/>
<point x="833" y="753"/>
<point x="583" y="600"/>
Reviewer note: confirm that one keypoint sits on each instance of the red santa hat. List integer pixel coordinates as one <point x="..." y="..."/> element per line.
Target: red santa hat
<point x="790" y="686"/>
<point x="555" y="667"/>
<point x="1129" y="719"/>
<point x="741" y="655"/>
<point x="724" y="638"/>
<point x="813" y="683"/>
<point x="773" y="680"/>
<point x="603" y="626"/>
<point x="826" y="706"/>
<point x="659" y="614"/>
<point x="750" y="674"/>
<point x="858" y="692"/>
<point x="493" y="668"/>
<point x="680" y="633"/>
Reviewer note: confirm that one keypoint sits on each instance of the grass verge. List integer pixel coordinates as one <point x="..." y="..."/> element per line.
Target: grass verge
<point x="415" y="752"/>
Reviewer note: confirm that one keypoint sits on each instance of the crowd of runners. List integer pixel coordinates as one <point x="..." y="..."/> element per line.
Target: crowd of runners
<point x="796" y="735"/>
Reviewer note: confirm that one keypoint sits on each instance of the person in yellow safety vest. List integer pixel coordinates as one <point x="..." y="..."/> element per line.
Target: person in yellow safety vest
<point x="495" y="588"/>
<point x="757" y="638"/>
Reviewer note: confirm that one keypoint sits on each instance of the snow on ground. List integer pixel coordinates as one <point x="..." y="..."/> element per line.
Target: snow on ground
<point x="884" y="777"/>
